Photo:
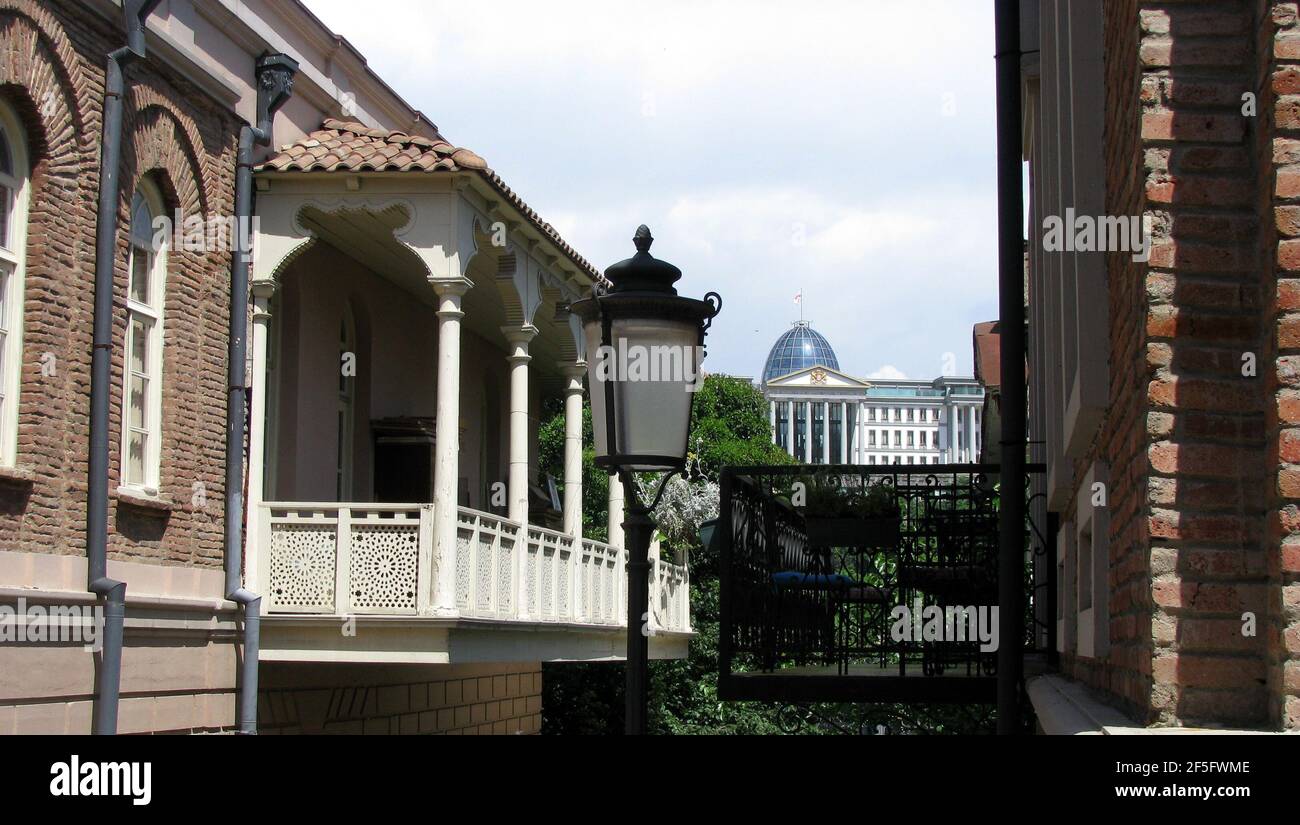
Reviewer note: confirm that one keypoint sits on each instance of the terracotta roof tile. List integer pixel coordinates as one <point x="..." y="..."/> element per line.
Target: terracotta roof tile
<point x="347" y="146"/>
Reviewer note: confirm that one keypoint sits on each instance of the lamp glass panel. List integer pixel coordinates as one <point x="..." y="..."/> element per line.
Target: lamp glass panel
<point x="653" y="364"/>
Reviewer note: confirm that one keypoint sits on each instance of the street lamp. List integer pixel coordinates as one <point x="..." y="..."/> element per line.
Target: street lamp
<point x="644" y="347"/>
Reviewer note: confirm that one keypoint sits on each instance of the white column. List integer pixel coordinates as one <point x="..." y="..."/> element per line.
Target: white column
<point x="844" y="433"/>
<point x="789" y="428"/>
<point x="771" y="418"/>
<point x="970" y="433"/>
<point x="262" y="293"/>
<point x="807" y="431"/>
<point x="573" y="373"/>
<point x="952" y="434"/>
<point x="826" y="432"/>
<point x="615" y="507"/>
<point x="446" y="448"/>
<point x="517" y="481"/>
<point x="860" y="432"/>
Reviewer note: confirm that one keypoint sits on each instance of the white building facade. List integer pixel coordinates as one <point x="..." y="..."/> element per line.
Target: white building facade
<point x="821" y="415"/>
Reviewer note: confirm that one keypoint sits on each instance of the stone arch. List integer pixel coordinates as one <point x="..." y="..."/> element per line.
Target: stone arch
<point x="144" y="102"/>
<point x="42" y="60"/>
<point x="277" y="272"/>
<point x="159" y="141"/>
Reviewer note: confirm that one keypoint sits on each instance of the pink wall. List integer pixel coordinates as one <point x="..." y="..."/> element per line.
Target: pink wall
<point x="396" y="376"/>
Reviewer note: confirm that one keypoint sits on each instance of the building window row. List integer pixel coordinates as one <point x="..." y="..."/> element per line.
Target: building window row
<point x="898" y="459"/>
<point x="913" y="414"/>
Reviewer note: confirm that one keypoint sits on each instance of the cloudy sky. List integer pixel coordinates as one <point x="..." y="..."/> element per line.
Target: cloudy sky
<point x="844" y="150"/>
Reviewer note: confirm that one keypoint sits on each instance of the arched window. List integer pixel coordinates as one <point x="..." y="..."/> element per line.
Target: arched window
<point x="142" y="402"/>
<point x="13" y="245"/>
<point x="347" y="403"/>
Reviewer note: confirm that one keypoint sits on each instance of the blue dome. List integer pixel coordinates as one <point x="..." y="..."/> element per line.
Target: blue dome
<point x="798" y="348"/>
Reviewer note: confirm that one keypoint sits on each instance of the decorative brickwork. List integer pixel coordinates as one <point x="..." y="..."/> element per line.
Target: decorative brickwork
<point x="52" y="58"/>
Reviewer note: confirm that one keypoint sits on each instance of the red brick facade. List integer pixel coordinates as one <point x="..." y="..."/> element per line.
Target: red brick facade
<point x="52" y="58"/>
<point x="1204" y="455"/>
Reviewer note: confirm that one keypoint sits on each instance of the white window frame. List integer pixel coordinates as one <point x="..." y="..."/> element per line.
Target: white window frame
<point x="1092" y="560"/>
<point x="13" y="260"/>
<point x="153" y="312"/>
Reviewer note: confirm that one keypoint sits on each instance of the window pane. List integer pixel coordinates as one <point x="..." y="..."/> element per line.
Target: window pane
<point x="141" y="264"/>
<point x="136" y="401"/>
<point x="135" y="458"/>
<point x="4" y="296"/>
<point x="139" y="345"/>
<point x="141" y="222"/>
<point x="6" y="212"/>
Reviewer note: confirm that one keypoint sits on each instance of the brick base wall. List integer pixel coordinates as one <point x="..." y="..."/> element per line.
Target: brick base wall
<point x="400" y="699"/>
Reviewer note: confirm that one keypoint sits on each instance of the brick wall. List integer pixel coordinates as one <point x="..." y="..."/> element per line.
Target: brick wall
<point x="401" y="699"/>
<point x="178" y="665"/>
<point x="1204" y="417"/>
<point x="1203" y="517"/>
<point x="1282" y="322"/>
<point x="52" y="57"/>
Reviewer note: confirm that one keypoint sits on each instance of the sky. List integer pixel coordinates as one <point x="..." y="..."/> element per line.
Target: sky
<point x="842" y="150"/>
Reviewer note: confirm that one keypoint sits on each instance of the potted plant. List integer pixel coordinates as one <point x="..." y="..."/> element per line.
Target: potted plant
<point x="851" y="515"/>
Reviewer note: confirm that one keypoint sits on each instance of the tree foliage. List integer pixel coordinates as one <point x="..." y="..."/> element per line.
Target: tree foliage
<point x="730" y="427"/>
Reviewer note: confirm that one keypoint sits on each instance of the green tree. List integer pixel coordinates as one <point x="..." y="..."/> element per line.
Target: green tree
<point x="729" y="427"/>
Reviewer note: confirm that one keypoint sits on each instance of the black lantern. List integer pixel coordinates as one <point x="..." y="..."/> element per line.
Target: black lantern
<point x="644" y="347"/>
<point x="645" y="344"/>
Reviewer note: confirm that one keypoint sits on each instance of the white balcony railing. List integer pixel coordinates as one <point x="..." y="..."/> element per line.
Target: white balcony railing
<point x="344" y="559"/>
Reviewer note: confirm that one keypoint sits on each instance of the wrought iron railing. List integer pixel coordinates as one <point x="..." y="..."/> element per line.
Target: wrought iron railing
<point x="888" y="570"/>
<point x="344" y="559"/>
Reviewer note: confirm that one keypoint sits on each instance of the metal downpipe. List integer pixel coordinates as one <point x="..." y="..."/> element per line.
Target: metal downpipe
<point x="1011" y="518"/>
<point x="274" y="85"/>
<point x="108" y="676"/>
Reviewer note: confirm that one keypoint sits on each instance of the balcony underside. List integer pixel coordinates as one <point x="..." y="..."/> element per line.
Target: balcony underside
<point x="430" y="640"/>
<point x="861" y="683"/>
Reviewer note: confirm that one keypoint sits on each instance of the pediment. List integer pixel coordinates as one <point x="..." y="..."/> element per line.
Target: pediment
<point x="818" y="377"/>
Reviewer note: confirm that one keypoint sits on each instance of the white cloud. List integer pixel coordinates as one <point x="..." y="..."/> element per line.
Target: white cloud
<point x="785" y="150"/>
<point x="888" y="373"/>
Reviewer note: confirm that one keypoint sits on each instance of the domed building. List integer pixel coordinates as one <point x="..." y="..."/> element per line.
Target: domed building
<point x="822" y="415"/>
<point x="798" y="348"/>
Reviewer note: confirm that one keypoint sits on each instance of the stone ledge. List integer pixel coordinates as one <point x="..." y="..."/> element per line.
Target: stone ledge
<point x="1065" y="708"/>
<point x="17" y="476"/>
<point x="143" y="501"/>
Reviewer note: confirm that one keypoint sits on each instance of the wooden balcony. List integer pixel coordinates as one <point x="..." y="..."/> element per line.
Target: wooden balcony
<point x="509" y="592"/>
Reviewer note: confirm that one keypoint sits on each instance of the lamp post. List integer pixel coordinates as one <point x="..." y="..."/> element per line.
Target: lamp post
<point x="644" y="347"/>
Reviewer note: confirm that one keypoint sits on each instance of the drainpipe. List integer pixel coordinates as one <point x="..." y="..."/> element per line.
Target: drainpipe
<point x="275" y="74"/>
<point x="1011" y="274"/>
<point x="109" y="676"/>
